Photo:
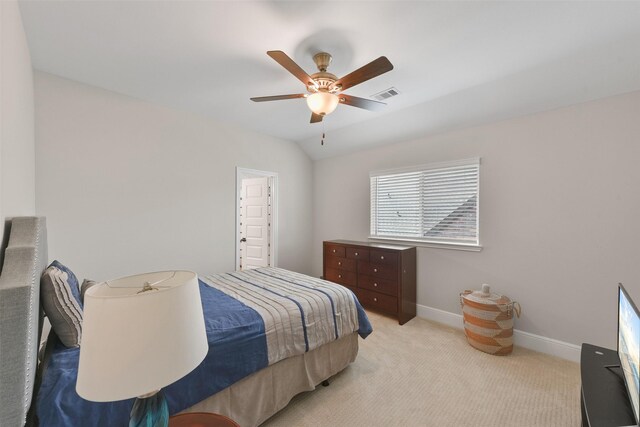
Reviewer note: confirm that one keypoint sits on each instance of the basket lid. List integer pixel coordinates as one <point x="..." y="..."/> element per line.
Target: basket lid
<point x="485" y="296"/>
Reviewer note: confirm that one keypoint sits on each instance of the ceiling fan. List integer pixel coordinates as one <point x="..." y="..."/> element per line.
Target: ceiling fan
<point x="325" y="89"/>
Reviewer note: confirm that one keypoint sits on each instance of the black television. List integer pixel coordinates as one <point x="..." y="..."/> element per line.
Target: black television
<point x="629" y="347"/>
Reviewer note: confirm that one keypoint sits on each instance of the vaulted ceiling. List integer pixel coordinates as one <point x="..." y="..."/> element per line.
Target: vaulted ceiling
<point x="456" y="63"/>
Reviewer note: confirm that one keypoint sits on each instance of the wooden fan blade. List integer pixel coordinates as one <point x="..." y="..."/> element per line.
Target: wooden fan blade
<point x="315" y="118"/>
<point x="281" y="58"/>
<point x="277" y="97"/>
<point x="367" y="104"/>
<point x="362" y="74"/>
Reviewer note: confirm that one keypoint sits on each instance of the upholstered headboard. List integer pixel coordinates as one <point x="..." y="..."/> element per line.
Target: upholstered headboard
<point x="25" y="258"/>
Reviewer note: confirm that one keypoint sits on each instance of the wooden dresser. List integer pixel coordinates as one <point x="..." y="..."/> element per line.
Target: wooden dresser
<point x="383" y="277"/>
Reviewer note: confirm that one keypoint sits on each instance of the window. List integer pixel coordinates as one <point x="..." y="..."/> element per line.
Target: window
<point x="432" y="203"/>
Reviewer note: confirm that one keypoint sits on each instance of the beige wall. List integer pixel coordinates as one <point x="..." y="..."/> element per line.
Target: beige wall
<point x="129" y="186"/>
<point x="17" y="164"/>
<point x="559" y="202"/>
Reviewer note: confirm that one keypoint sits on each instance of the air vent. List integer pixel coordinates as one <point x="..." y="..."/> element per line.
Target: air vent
<point x="386" y="94"/>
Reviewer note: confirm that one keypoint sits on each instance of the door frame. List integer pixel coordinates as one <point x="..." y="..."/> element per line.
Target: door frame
<point x="242" y="173"/>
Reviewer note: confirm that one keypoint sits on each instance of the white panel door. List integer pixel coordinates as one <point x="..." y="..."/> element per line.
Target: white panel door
<point x="254" y="223"/>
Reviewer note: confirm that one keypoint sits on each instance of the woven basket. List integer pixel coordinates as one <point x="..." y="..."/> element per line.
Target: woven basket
<point x="488" y="320"/>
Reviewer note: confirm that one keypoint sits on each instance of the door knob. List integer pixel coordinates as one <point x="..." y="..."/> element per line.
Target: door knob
<point x="243" y="240"/>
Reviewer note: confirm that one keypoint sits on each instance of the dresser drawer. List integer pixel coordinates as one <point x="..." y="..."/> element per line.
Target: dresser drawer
<point x="341" y="264"/>
<point x="378" y="301"/>
<point x="378" y="284"/>
<point x="358" y="254"/>
<point x="378" y="270"/>
<point x="335" y="250"/>
<point x="347" y="278"/>
<point x="383" y="257"/>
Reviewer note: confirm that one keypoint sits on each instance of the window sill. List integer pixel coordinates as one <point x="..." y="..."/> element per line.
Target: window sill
<point x="437" y="245"/>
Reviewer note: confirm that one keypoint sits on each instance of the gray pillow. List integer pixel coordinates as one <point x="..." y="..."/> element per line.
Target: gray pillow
<point x="60" y="298"/>
<point x="86" y="284"/>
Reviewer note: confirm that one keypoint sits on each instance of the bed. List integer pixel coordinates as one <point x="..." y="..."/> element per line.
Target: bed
<point x="24" y="260"/>
<point x="272" y="334"/>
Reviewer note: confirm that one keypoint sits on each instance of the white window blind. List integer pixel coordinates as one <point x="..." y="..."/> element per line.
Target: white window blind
<point x="432" y="203"/>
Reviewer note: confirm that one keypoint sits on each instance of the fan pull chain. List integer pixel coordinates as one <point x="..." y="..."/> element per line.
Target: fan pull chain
<point x="322" y="140"/>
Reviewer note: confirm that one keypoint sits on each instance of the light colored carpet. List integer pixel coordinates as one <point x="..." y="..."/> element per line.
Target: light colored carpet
<point x="425" y="374"/>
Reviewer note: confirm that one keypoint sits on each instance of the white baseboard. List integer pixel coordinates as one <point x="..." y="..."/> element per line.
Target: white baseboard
<point x="528" y="340"/>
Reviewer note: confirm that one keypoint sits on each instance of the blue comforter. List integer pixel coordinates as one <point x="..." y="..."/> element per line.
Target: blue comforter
<point x="238" y="346"/>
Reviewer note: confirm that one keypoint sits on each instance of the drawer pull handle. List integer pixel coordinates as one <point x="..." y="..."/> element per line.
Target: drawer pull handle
<point x="334" y="251"/>
<point x="381" y="256"/>
<point x="375" y="270"/>
<point x="375" y="299"/>
<point x="375" y="285"/>
<point x="339" y="262"/>
<point x="339" y="276"/>
<point x="356" y="253"/>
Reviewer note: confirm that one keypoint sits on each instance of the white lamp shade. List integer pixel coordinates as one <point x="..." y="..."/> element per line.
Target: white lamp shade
<point x="322" y="103"/>
<point x="136" y="343"/>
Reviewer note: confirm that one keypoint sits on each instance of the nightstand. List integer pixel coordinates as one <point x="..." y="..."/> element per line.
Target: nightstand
<point x="201" y="419"/>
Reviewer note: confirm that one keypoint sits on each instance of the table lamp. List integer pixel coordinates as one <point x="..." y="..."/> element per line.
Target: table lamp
<point x="139" y="334"/>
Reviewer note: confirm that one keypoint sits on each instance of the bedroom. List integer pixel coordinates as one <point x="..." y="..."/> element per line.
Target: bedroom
<point x="123" y="124"/>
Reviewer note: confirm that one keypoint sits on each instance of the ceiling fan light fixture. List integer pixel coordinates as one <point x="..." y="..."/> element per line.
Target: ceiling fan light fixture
<point x="325" y="89"/>
<point x="322" y="103"/>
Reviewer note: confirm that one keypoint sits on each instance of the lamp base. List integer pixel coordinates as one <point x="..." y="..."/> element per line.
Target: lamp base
<point x="151" y="411"/>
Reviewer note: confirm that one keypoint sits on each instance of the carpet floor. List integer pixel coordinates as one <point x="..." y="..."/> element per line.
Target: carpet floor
<point x="425" y="374"/>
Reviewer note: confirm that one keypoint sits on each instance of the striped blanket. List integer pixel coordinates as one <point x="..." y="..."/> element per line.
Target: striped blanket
<point x="300" y="312"/>
<point x="253" y="319"/>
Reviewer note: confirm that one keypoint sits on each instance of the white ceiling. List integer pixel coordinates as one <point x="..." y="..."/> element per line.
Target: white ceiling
<point x="456" y="63"/>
